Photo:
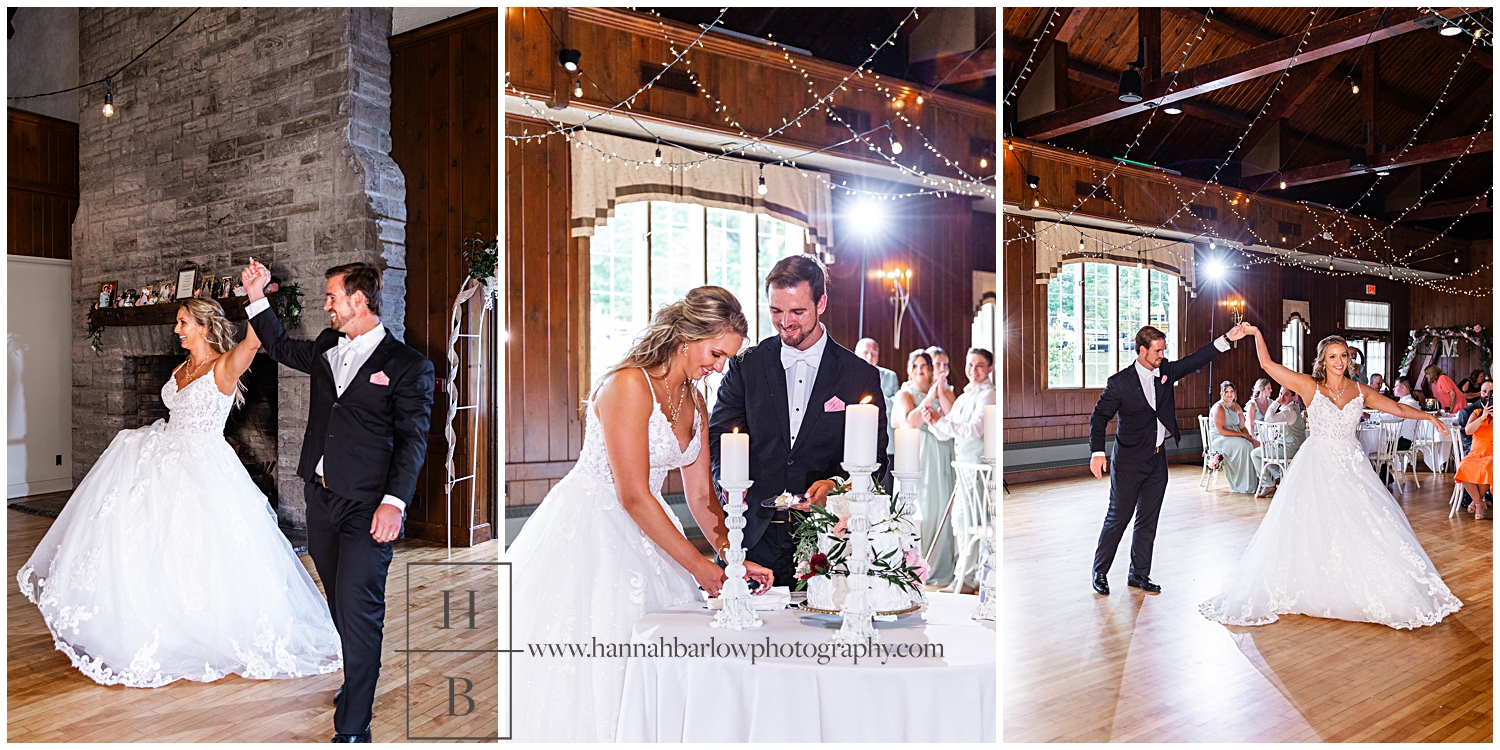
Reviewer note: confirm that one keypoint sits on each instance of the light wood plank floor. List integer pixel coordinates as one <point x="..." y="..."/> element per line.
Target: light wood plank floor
<point x="1150" y="668"/>
<point x="49" y="701"/>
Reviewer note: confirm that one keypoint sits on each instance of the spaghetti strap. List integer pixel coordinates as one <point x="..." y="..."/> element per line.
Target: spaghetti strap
<point x="648" y="382"/>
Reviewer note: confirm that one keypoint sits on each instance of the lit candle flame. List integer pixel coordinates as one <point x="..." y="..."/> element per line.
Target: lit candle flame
<point x="736" y="430"/>
<point x="866" y="400"/>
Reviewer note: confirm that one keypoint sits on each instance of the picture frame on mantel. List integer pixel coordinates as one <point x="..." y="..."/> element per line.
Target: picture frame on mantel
<point x="107" y="293"/>
<point x="207" y="286"/>
<point x="187" y="280"/>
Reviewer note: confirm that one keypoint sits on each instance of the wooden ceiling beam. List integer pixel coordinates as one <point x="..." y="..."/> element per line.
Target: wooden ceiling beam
<point x="1049" y="35"/>
<point x="1148" y="24"/>
<point x="1323" y="41"/>
<point x="1071" y="24"/>
<point x="1298" y="88"/>
<point x="1224" y="25"/>
<point x="1451" y="148"/>
<point x="1448" y="209"/>
<point x="958" y="67"/>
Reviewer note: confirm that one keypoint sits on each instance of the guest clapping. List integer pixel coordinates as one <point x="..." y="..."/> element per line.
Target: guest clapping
<point x="936" y="483"/>
<point x="1227" y="435"/>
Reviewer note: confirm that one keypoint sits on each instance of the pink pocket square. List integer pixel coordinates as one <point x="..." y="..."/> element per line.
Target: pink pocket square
<point x="380" y="378"/>
<point x="833" y="404"/>
<point x="1164" y="380"/>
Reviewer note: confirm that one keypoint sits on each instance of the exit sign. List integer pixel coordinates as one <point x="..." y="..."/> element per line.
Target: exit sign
<point x="1370" y="289"/>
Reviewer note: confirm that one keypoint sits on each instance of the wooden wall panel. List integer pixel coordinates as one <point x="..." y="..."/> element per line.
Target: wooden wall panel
<point x="42" y="185"/>
<point x="444" y="79"/>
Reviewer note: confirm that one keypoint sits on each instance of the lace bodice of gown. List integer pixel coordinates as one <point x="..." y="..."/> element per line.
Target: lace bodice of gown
<point x="1326" y="420"/>
<point x="198" y="408"/>
<point x="666" y="453"/>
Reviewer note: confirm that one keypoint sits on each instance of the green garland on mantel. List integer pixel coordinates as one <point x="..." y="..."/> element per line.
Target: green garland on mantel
<point x="1477" y="335"/>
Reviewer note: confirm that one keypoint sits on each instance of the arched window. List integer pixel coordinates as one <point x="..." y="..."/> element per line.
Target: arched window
<point x="1291" y="343"/>
<point x="1094" y="311"/>
<point x="650" y="253"/>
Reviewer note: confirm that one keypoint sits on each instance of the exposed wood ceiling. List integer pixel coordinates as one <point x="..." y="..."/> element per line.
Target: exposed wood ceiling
<point x="1225" y="88"/>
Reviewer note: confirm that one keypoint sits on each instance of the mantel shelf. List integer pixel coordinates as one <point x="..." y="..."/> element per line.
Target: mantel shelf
<point x="164" y="314"/>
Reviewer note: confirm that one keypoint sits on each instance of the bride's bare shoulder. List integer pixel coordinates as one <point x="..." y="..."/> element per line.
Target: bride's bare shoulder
<point x="623" y="387"/>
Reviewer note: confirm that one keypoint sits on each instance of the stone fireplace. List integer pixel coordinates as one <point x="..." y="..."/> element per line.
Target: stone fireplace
<point x="247" y="132"/>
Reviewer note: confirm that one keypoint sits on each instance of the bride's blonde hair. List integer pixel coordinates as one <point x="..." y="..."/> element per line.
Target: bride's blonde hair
<point x="1319" y="370"/>
<point x="706" y="312"/>
<point x="217" y="331"/>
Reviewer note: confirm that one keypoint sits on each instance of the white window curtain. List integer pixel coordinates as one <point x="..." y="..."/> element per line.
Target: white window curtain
<point x="599" y="184"/>
<point x="1057" y="244"/>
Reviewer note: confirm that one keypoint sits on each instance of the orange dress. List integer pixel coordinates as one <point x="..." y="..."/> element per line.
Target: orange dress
<point x="1478" y="466"/>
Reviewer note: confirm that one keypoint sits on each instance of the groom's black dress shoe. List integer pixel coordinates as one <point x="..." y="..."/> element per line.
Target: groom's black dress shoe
<point x="1143" y="583"/>
<point x="361" y="737"/>
<point x="338" y="695"/>
<point x="1101" y="584"/>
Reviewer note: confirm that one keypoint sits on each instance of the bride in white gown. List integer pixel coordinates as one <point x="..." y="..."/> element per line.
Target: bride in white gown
<point x="603" y="548"/>
<point x="166" y="563"/>
<point x="1334" y="543"/>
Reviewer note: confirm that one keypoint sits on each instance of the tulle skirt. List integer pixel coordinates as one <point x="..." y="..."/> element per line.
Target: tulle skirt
<point x="583" y="572"/>
<point x="167" y="564"/>
<point x="1333" y="544"/>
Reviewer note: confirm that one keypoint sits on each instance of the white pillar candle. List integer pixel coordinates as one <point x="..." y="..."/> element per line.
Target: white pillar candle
<point x="860" y="422"/>
<point x="991" y="431"/>
<point x="734" y="457"/>
<point x="908" y="448"/>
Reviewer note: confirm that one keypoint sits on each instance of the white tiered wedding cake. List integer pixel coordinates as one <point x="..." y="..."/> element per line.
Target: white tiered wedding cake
<point x="896" y="569"/>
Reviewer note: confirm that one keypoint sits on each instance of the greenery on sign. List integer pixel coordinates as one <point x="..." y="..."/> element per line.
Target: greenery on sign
<point x="1477" y="335"/>
<point x="483" y="256"/>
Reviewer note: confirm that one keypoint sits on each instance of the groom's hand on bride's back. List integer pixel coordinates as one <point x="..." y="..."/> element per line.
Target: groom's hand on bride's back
<point x="1098" y="464"/>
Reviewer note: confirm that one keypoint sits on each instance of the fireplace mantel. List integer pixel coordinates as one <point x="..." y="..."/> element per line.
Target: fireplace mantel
<point x="163" y="314"/>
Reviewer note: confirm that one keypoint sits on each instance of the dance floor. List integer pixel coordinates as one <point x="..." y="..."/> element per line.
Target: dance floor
<point x="1148" y="668"/>
<point x="49" y="701"/>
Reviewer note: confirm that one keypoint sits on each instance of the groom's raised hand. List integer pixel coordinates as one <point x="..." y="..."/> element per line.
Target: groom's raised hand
<point x="1238" y="332"/>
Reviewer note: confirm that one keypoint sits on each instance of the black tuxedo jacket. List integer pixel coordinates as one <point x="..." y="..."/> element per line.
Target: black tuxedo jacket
<point x="753" y="398"/>
<point x="373" y="439"/>
<point x="1136" y="434"/>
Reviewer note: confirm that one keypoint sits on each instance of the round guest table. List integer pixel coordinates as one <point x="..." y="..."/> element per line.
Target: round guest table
<point x="723" y="697"/>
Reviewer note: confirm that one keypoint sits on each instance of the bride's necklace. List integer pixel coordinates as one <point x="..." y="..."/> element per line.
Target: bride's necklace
<point x="676" y="409"/>
<point x="1340" y="394"/>
<point x="195" y="370"/>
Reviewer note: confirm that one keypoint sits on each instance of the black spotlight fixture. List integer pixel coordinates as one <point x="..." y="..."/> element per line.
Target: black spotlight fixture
<point x="1032" y="181"/>
<point x="1130" y="78"/>
<point x="569" y="59"/>
<point x="1358" y="160"/>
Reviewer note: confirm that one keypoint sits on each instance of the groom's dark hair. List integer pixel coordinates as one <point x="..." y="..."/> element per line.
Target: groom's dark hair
<point x="360" y="277"/>
<point x="1147" y="335"/>
<point x="795" y="269"/>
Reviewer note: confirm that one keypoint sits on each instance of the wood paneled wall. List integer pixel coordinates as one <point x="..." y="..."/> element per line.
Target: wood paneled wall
<point x="1436" y="308"/>
<point x="444" y="88"/>
<point x="42" y="185"/>
<point x="1035" y="413"/>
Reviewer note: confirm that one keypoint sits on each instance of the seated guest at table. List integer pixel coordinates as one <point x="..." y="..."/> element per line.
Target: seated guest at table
<point x="1403" y="394"/>
<point x="1449" y="397"/>
<point x="1357" y="366"/>
<point x="1259" y="403"/>
<point x="1286" y="409"/>
<point x="1377" y="381"/>
<point x="1475" y="473"/>
<point x="1227" y="435"/>
<point x="936" y="483"/>
<point x="1470" y="385"/>
<point x="964" y="424"/>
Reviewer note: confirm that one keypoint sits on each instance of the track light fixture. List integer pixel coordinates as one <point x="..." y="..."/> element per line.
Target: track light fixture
<point x="1130" y="78"/>
<point x="569" y="58"/>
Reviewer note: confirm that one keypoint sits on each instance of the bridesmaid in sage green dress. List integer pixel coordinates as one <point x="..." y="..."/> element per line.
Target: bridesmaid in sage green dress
<point x="936" y="484"/>
<point x="1227" y="434"/>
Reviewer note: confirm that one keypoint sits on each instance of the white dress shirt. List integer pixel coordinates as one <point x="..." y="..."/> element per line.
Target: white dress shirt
<point x="1408" y="426"/>
<point x="345" y="359"/>
<point x="801" y="373"/>
<point x="966" y="419"/>
<point x="1148" y="385"/>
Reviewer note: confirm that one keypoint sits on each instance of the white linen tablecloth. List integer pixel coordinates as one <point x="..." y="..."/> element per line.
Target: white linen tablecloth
<point x="1433" y="455"/>
<point x="726" y="698"/>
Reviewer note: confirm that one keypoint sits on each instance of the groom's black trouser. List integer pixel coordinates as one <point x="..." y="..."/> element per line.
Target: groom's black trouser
<point x="1135" y="487"/>
<point x="352" y="566"/>
<point x="774" y="550"/>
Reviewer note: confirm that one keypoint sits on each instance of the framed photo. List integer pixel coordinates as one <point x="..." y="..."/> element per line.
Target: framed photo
<point x="226" y="286"/>
<point x="148" y="297"/>
<point x="164" y="291"/>
<point x="107" y="291"/>
<point x="206" y="286"/>
<point x="187" y="281"/>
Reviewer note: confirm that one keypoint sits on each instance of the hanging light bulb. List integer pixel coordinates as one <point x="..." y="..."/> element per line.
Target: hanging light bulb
<point x="578" y="89"/>
<point x="1080" y="242"/>
<point x="984" y="163"/>
<point x="1036" y="202"/>
<point x="895" y="145"/>
<point x="1354" y="88"/>
<point x="760" y="187"/>
<point x="1283" y="183"/>
<point x="658" y="156"/>
<point x="920" y="100"/>
<point x="109" y="98"/>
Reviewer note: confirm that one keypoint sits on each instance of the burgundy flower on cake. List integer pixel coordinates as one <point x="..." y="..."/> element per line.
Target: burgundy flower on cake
<point x="817" y="566"/>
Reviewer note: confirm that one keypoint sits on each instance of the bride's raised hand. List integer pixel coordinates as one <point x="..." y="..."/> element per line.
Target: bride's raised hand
<point x="710" y="577"/>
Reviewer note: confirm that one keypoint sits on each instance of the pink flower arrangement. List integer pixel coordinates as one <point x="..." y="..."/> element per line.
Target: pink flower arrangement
<point x="918" y="565"/>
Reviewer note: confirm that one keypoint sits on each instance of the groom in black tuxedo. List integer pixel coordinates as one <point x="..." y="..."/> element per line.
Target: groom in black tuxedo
<point x="788" y="393"/>
<point x="1142" y="394"/>
<point x="366" y="438"/>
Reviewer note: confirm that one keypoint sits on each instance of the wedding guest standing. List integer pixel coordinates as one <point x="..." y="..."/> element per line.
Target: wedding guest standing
<point x="936" y="484"/>
<point x="1448" y="396"/>
<point x="1227" y="435"/>
<point x="964" y="422"/>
